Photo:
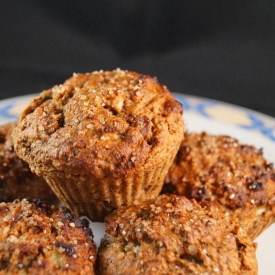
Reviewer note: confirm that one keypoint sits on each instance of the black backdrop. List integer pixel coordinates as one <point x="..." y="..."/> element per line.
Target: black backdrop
<point x="218" y="49"/>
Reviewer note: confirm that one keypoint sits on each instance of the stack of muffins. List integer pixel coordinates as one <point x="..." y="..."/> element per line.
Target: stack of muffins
<point x="107" y="144"/>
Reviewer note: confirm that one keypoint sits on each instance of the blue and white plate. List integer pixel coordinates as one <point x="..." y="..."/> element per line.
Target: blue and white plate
<point x="214" y="117"/>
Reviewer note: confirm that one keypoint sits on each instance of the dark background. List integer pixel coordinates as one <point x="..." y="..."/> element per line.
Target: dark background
<point x="219" y="49"/>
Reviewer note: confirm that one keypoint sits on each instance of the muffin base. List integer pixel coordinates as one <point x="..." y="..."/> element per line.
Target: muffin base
<point x="96" y="198"/>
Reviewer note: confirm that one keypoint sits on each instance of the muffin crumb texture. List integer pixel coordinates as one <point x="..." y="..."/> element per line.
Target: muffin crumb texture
<point x="235" y="176"/>
<point x="40" y="239"/>
<point x="174" y="235"/>
<point x="16" y="179"/>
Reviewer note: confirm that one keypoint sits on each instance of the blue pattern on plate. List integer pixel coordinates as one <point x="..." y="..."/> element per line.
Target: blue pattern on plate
<point x="5" y="112"/>
<point x="201" y="105"/>
<point x="258" y="124"/>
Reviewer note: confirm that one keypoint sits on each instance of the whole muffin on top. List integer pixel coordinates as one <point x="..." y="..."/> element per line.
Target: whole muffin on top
<point x="16" y="179"/>
<point x="102" y="139"/>
<point x="174" y="235"/>
<point x="235" y="176"/>
<point x="40" y="239"/>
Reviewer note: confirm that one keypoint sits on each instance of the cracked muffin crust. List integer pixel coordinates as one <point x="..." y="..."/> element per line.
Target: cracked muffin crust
<point x="16" y="179"/>
<point x="174" y="235"/>
<point x="40" y="239"/>
<point x="235" y="176"/>
<point x="102" y="139"/>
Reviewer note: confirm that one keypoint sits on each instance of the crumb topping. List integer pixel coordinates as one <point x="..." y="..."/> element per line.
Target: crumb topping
<point x="209" y="167"/>
<point x="16" y="179"/>
<point x="174" y="235"/>
<point x="223" y="170"/>
<point x="110" y="121"/>
<point x="36" y="237"/>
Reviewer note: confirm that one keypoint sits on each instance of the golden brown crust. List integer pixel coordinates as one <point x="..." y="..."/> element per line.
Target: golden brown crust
<point x="16" y="179"/>
<point x="221" y="169"/>
<point x="121" y="114"/>
<point x="39" y="239"/>
<point x="104" y="126"/>
<point x="174" y="235"/>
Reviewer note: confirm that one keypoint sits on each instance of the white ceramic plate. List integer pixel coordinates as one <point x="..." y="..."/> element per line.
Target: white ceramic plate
<point x="214" y="117"/>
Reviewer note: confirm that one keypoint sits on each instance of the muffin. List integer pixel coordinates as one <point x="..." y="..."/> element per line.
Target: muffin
<point x="16" y="179"/>
<point x="174" y="235"/>
<point x="102" y="140"/>
<point x="237" y="177"/>
<point x="38" y="239"/>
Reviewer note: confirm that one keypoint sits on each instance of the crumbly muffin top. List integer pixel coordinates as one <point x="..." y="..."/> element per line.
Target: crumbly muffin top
<point x="220" y="168"/>
<point x="110" y="122"/>
<point x="174" y="235"/>
<point x="16" y="179"/>
<point x="39" y="239"/>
